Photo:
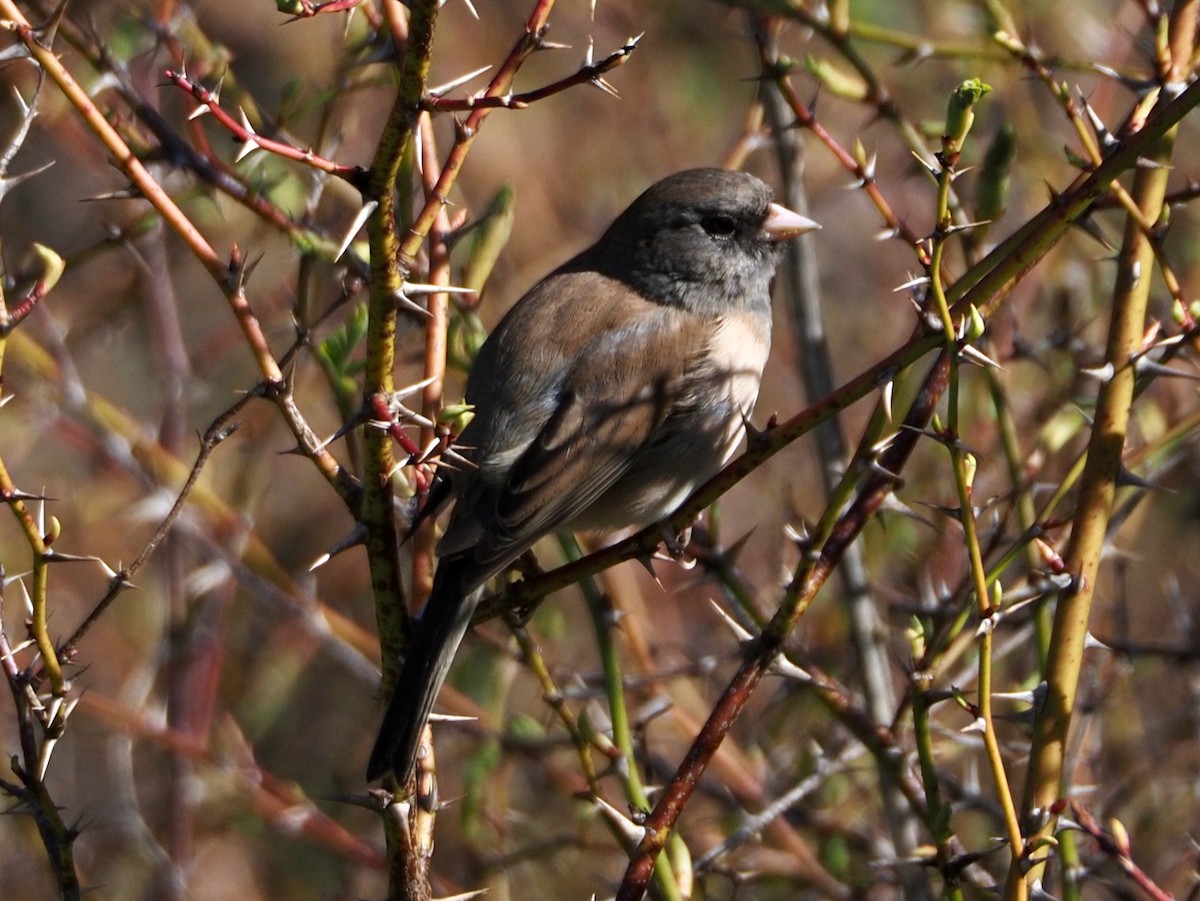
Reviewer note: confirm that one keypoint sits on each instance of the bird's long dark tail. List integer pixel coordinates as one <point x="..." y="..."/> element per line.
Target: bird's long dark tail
<point x="435" y="641"/>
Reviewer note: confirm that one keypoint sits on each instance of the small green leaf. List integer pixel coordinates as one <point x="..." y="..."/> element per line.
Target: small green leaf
<point x="487" y="238"/>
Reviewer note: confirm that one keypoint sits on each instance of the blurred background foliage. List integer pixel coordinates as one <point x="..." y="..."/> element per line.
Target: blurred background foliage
<point x="274" y="710"/>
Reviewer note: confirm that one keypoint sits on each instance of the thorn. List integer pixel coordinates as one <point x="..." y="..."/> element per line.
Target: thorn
<point x="887" y="474"/>
<point x="1107" y="141"/>
<point x="740" y="633"/>
<point x="1136" y="85"/>
<point x="781" y="666"/>
<point x="648" y="564"/>
<point x="26" y="597"/>
<point x="603" y="85"/>
<point x="798" y="536"/>
<point x="1126" y="478"/>
<point x="917" y="281"/>
<point x="419" y="145"/>
<point x="966" y="226"/>
<point x="421" y="288"/>
<point x="100" y="85"/>
<point x="129" y="193"/>
<point x="1103" y="373"/>
<point x="1026" y="697"/>
<point x="414" y="418"/>
<point x="359" y="221"/>
<point x="52" y="710"/>
<point x="7" y="183"/>
<point x="410" y="390"/>
<point x="16" y="51"/>
<point x="1091" y="642"/>
<point x="451" y="718"/>
<point x="974" y="355"/>
<point x="948" y="512"/>
<point x="926" y="164"/>
<point x="456" y="460"/>
<point x="479" y="892"/>
<point x="345" y="428"/>
<point x="734" y="550"/>
<point x="403" y="301"/>
<point x="885" y="396"/>
<point x="987" y="625"/>
<point x="353" y="538"/>
<point x="869" y="168"/>
<point x="628" y="829"/>
<point x="17" y="495"/>
<point x="456" y="82"/>
<point x="428" y="452"/>
<point x="1144" y="366"/>
<point x="251" y="144"/>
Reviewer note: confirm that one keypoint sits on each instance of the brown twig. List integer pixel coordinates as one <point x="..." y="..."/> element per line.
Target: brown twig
<point x="250" y="139"/>
<point x="589" y="74"/>
<point x="1116" y="845"/>
<point x="123" y="579"/>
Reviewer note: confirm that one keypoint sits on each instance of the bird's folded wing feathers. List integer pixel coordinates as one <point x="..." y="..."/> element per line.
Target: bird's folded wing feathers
<point x="612" y="405"/>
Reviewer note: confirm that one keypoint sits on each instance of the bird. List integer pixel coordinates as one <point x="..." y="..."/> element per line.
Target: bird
<point x="612" y="390"/>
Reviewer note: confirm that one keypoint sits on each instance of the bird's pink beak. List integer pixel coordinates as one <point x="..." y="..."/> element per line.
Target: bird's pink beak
<point x="782" y="224"/>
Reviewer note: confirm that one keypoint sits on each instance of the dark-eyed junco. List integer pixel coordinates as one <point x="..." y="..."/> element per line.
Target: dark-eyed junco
<point x="612" y="390"/>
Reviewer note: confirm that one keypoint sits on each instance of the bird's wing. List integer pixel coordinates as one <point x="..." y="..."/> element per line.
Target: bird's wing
<point x="616" y="400"/>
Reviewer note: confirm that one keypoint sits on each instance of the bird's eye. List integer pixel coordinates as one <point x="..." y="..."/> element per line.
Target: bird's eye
<point x="718" y="226"/>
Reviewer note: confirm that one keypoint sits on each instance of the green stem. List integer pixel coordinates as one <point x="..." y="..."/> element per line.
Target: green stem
<point x="407" y="852"/>
<point x="601" y="612"/>
<point x="1047" y="764"/>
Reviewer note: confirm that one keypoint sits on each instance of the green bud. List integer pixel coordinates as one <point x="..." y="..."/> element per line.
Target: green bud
<point x="977" y="325"/>
<point x="841" y="83"/>
<point x="1006" y="40"/>
<point x="52" y="265"/>
<point x="960" y="113"/>
<point x="466" y="335"/>
<point x="785" y="63"/>
<point x="860" y="154"/>
<point x="457" y="416"/>
<point x="916" y="637"/>
<point x="1119" y="833"/>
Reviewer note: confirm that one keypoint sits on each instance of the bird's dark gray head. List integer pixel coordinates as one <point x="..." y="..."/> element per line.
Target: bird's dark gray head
<point x="705" y="239"/>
